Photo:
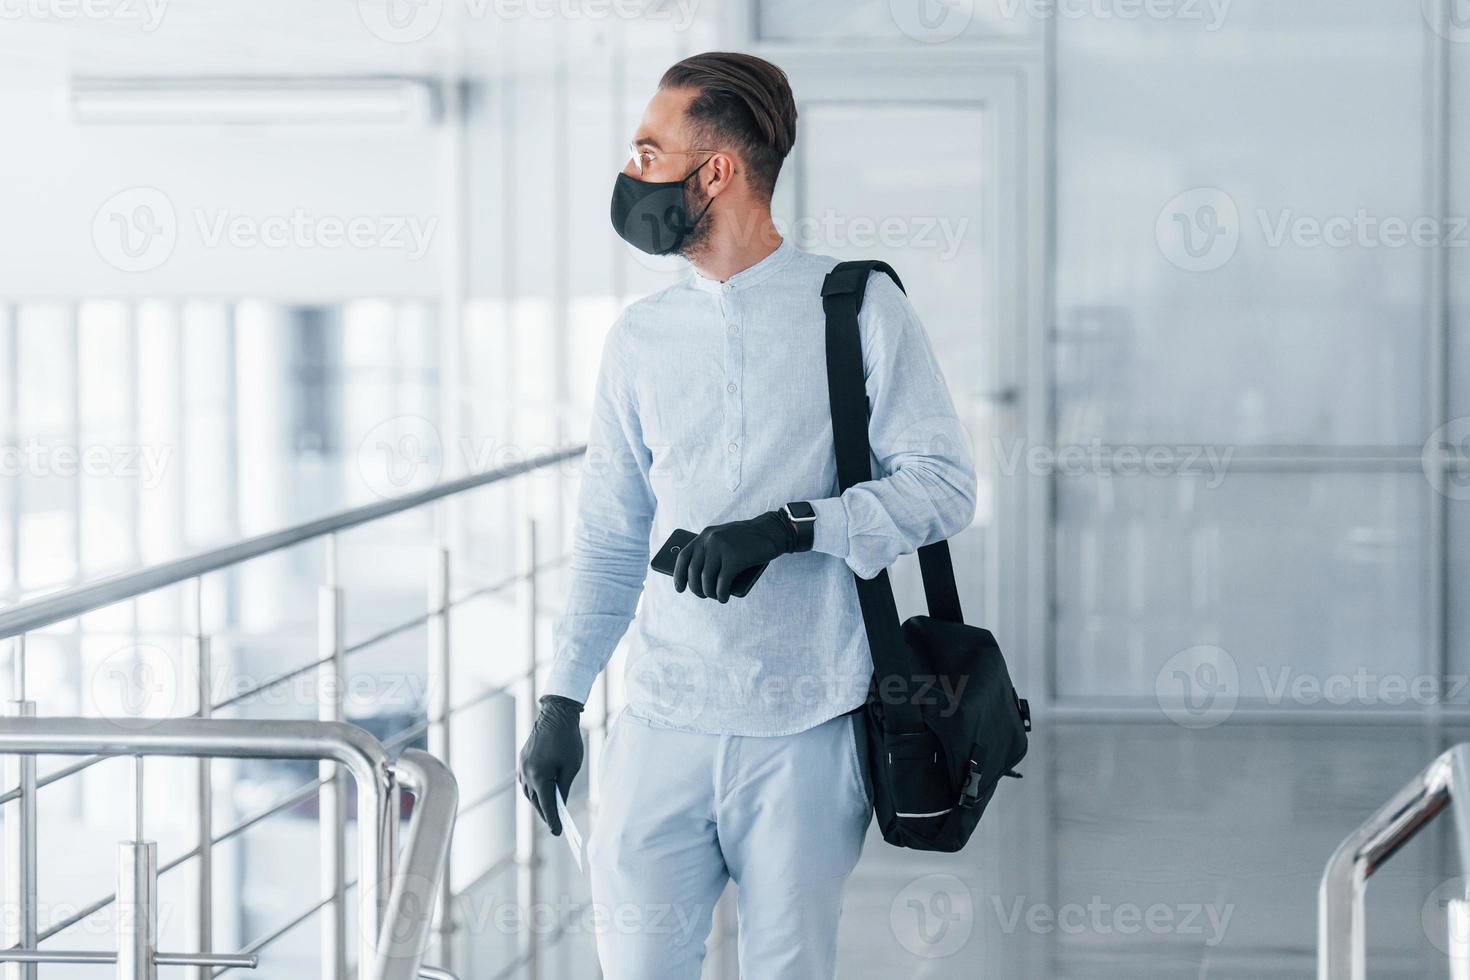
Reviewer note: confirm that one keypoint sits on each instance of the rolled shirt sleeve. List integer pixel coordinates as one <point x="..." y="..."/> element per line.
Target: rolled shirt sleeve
<point x="610" y="540"/>
<point x="924" y="485"/>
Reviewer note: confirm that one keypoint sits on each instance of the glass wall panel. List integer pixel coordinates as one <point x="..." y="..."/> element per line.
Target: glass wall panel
<point x="1454" y="438"/>
<point x="1458" y="211"/>
<point x="10" y="463"/>
<point x="1237" y="262"/>
<point x="1457" y="567"/>
<point x="1300" y="578"/>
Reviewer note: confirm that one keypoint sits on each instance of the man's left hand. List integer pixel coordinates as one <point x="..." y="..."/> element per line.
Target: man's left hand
<point x="709" y="564"/>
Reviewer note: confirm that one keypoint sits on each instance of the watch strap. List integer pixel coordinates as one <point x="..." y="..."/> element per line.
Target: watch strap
<point x="803" y="519"/>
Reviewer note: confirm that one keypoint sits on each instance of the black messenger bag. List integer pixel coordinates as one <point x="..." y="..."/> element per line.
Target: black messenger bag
<point x="944" y="723"/>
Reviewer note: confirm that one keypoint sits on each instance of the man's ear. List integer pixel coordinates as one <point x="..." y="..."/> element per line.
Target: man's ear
<point x="721" y="171"/>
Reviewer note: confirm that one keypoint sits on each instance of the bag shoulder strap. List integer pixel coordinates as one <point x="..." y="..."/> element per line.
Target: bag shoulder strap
<point x="842" y="301"/>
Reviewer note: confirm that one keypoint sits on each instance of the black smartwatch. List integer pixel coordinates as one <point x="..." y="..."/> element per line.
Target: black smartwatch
<point x="803" y="517"/>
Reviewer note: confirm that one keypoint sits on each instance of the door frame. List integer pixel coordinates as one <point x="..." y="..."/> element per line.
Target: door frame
<point x="1011" y="82"/>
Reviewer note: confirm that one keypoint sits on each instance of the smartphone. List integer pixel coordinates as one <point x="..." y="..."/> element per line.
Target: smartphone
<point x="663" y="561"/>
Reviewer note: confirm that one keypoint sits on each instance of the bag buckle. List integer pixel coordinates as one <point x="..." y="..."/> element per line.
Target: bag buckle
<point x="1024" y="707"/>
<point x="970" y="795"/>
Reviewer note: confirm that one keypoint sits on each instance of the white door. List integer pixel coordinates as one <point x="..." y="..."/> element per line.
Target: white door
<point x="925" y="173"/>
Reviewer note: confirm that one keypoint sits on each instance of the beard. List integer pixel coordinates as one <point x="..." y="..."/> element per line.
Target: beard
<point x="697" y="241"/>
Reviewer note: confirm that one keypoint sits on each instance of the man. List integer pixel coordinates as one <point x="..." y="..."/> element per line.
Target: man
<point x="737" y="756"/>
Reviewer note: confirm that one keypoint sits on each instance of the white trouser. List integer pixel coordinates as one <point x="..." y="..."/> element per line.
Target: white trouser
<point x="682" y="813"/>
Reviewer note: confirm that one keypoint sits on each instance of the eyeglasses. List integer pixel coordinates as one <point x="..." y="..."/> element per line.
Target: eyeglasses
<point x="643" y="157"/>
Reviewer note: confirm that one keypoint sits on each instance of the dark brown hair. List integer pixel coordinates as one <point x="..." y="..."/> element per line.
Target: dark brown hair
<point x="742" y="100"/>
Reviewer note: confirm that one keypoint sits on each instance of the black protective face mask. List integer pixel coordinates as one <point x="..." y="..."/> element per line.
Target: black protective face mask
<point x="651" y="216"/>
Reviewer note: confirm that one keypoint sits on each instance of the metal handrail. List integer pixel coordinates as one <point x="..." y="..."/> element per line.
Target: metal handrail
<point x="398" y="902"/>
<point x="74" y="602"/>
<point x="350" y="649"/>
<point x="361" y="754"/>
<point x="408" y="917"/>
<point x="1341" y="934"/>
<point x="334" y="651"/>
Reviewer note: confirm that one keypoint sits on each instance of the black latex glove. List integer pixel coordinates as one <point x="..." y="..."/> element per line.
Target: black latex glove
<point x="552" y="756"/>
<point x="709" y="563"/>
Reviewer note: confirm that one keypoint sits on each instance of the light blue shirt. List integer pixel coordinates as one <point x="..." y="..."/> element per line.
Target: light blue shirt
<point x="711" y="406"/>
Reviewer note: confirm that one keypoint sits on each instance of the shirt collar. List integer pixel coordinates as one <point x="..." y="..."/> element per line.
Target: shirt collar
<point x="746" y="277"/>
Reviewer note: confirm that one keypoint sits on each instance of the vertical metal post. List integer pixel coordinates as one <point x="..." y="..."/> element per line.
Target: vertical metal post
<point x="526" y="829"/>
<point x="20" y="924"/>
<point x="18" y="668"/>
<point x="204" y="799"/>
<point x="333" y="797"/>
<point x="438" y="709"/>
<point x="1457" y="912"/>
<point x="137" y="896"/>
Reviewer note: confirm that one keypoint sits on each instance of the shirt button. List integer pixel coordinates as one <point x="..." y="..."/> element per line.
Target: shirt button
<point x="734" y="448"/>
<point x="734" y="330"/>
<point x="730" y="388"/>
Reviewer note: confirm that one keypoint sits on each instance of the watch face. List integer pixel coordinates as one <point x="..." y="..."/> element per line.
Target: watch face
<point x="801" y="511"/>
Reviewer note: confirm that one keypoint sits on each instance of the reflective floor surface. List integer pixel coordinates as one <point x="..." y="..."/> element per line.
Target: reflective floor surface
<point x="1151" y="851"/>
<point x="1133" y="851"/>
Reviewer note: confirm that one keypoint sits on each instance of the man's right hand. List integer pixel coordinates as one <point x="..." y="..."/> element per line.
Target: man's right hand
<point x="552" y="756"/>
